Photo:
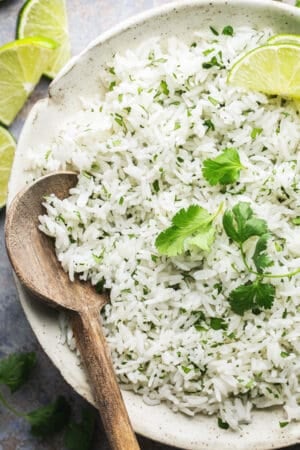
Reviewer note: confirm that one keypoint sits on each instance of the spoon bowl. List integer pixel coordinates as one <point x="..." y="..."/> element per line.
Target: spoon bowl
<point x="33" y="258"/>
<point x="32" y="252"/>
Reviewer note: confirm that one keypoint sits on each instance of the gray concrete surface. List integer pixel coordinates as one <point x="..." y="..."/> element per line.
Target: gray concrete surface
<point x="87" y="19"/>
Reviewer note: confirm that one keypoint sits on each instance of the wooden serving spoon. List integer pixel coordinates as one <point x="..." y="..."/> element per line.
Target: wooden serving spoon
<point x="33" y="258"/>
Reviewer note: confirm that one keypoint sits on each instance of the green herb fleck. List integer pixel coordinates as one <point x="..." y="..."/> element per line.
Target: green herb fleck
<point x="223" y="425"/>
<point x="218" y="324"/>
<point x="164" y="87"/>
<point x="213" y="101"/>
<point x="284" y="424"/>
<point x="214" y="31"/>
<point x="296" y="221"/>
<point x="155" y="185"/>
<point x="228" y="30"/>
<point x="256" y="132"/>
<point x="209" y="124"/>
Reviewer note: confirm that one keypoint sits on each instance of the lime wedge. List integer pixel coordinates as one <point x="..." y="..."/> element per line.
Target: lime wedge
<point x="7" y="151"/>
<point x="49" y="19"/>
<point x="22" y="63"/>
<point x="271" y="69"/>
<point x="285" y="39"/>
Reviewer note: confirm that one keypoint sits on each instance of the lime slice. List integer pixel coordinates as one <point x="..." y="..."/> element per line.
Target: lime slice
<point x="285" y="39"/>
<point x="49" y="19"/>
<point x="7" y="151"/>
<point x="22" y="63"/>
<point x="271" y="69"/>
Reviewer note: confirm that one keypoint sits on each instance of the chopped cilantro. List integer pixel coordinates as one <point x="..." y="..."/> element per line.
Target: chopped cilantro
<point x="191" y="227"/>
<point x="228" y="30"/>
<point x="213" y="101"/>
<point x="111" y="86"/>
<point x="284" y="424"/>
<point x="177" y="125"/>
<point x="164" y="87"/>
<point x="209" y="124"/>
<point x="296" y="221"/>
<point x="223" y="425"/>
<point x="256" y="132"/>
<point x="224" y="169"/>
<point x="155" y="185"/>
<point x="208" y="51"/>
<point x="218" y="324"/>
<point x="214" y="31"/>
<point x="186" y="369"/>
<point x="213" y="63"/>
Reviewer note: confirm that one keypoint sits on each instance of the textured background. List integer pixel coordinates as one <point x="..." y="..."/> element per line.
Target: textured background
<point x="87" y="19"/>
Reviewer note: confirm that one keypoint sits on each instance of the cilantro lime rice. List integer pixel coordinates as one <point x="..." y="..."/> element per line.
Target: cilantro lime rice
<point x="199" y="326"/>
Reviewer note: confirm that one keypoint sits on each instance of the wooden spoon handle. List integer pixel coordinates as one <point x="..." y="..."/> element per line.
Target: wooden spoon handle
<point x="96" y="357"/>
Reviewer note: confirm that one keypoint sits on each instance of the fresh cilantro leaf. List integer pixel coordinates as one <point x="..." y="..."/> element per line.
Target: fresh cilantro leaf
<point x="260" y="257"/>
<point x="228" y="31"/>
<point x="252" y="295"/>
<point x="223" y="425"/>
<point x="217" y="323"/>
<point x="203" y="240"/>
<point x="49" y="419"/>
<point x="15" y="369"/>
<point x="240" y="223"/>
<point x="79" y="436"/>
<point x="191" y="227"/>
<point x="224" y="169"/>
<point x="297" y="4"/>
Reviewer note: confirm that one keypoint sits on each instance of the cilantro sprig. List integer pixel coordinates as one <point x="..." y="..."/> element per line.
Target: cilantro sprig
<point x="241" y="224"/>
<point x="191" y="228"/>
<point x="224" y="169"/>
<point x="15" y="370"/>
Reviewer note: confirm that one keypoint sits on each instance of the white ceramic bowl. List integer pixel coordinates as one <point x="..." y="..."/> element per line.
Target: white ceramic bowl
<point x="80" y="76"/>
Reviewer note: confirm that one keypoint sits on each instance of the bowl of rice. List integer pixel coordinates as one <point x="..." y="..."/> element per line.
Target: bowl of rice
<point x="138" y="115"/>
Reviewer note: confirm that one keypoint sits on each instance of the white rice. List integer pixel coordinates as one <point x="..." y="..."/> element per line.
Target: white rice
<point x="134" y="178"/>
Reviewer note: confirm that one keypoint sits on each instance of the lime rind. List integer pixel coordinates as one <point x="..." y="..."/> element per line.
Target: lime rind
<point x="7" y="151"/>
<point x="34" y="41"/>
<point x="49" y="19"/>
<point x="273" y="69"/>
<point x="284" y="39"/>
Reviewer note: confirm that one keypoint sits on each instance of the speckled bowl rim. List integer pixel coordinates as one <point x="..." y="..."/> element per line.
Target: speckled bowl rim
<point x="158" y="423"/>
